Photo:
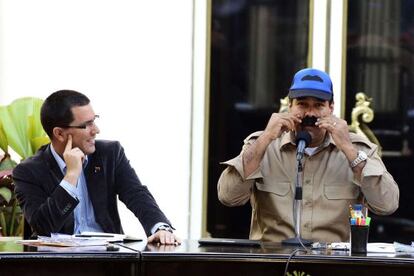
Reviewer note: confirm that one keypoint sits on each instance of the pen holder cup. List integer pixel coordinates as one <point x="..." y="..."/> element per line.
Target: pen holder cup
<point x="359" y="238"/>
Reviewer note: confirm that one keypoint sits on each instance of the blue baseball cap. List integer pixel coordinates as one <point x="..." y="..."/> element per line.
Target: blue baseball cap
<point x="311" y="82"/>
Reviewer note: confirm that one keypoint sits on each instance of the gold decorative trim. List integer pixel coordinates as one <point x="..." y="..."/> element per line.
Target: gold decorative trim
<point x="298" y="273"/>
<point x="284" y="105"/>
<point x="361" y="114"/>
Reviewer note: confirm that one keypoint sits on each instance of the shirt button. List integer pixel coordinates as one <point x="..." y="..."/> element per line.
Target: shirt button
<point x="307" y="225"/>
<point x="307" y="181"/>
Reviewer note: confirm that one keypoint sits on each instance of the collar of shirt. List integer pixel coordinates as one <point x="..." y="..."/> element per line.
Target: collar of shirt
<point x="61" y="163"/>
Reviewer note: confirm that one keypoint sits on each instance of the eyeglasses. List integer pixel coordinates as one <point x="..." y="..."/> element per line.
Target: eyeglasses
<point x="86" y="125"/>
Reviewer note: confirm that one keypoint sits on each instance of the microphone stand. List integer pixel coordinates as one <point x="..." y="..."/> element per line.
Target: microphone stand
<point x="297" y="209"/>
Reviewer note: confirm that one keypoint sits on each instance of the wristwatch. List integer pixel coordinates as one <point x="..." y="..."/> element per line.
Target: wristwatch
<point x="165" y="228"/>
<point x="362" y="156"/>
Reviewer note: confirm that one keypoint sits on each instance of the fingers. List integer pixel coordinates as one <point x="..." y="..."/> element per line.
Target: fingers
<point x="178" y="241"/>
<point x="291" y="121"/>
<point x="164" y="237"/>
<point x="338" y="128"/>
<point x="68" y="146"/>
<point x="332" y="123"/>
<point x="73" y="159"/>
<point x="280" y="122"/>
<point x="73" y="151"/>
<point x="74" y="154"/>
<point x="151" y="238"/>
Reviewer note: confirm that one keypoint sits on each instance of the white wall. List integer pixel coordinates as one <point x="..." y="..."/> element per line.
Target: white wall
<point x="319" y="34"/>
<point x="133" y="59"/>
<point x="336" y="56"/>
<point x="328" y="44"/>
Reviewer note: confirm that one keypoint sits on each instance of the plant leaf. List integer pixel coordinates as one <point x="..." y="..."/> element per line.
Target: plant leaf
<point x="7" y="172"/>
<point x="21" y="123"/>
<point x="12" y="218"/>
<point x="3" y="223"/>
<point x="13" y="131"/>
<point x="20" y="225"/>
<point x="7" y="164"/>
<point x="37" y="126"/>
<point x="6" y="194"/>
<point x="37" y="142"/>
<point x="3" y="139"/>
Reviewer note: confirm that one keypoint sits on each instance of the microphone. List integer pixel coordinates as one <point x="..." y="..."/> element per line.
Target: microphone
<point x="303" y="139"/>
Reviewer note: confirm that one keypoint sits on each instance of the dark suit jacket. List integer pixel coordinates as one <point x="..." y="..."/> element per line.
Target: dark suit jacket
<point x="49" y="208"/>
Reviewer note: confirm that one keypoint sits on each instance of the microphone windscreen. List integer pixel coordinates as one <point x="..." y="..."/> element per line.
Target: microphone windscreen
<point x="309" y="121"/>
<point x="305" y="136"/>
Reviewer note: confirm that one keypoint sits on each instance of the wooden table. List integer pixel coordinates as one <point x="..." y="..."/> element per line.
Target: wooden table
<point x="270" y="259"/>
<point x="191" y="259"/>
<point x="17" y="259"/>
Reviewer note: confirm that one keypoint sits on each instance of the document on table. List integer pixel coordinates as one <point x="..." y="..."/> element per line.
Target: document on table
<point x="79" y="240"/>
<point x="371" y="247"/>
<point x="109" y="237"/>
<point x="63" y="240"/>
<point x="380" y="247"/>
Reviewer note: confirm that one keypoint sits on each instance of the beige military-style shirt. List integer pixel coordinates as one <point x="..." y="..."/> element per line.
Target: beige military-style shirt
<point x="329" y="187"/>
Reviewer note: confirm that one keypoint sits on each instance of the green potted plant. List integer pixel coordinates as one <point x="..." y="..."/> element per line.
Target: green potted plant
<point x="21" y="132"/>
<point x="10" y="218"/>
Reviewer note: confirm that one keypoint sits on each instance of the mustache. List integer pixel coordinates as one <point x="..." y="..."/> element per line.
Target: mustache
<point x="309" y="121"/>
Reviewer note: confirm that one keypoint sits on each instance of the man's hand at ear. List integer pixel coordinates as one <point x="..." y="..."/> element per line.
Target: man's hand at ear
<point x="73" y="158"/>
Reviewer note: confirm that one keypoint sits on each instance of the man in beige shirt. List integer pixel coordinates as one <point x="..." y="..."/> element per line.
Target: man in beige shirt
<point x="339" y="169"/>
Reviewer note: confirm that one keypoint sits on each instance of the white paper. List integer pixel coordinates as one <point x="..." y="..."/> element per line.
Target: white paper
<point x="380" y="247"/>
<point x="108" y="237"/>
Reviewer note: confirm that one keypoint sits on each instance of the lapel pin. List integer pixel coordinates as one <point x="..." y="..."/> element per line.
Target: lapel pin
<point x="97" y="169"/>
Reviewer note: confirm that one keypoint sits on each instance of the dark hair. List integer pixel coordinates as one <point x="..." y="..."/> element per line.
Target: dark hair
<point x="56" y="109"/>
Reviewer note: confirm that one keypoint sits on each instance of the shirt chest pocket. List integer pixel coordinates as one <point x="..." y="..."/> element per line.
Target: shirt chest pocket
<point x="341" y="191"/>
<point x="273" y="199"/>
<point x="276" y="188"/>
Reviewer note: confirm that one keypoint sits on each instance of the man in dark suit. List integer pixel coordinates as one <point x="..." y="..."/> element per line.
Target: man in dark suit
<point x="71" y="185"/>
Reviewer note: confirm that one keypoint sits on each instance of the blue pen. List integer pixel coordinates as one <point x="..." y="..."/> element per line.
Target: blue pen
<point x="358" y="207"/>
